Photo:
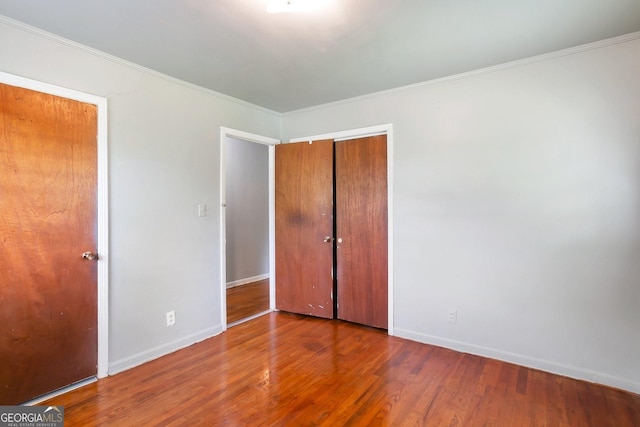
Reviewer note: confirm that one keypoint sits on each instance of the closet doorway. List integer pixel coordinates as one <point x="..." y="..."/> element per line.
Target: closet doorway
<point x="333" y="233"/>
<point x="246" y="224"/>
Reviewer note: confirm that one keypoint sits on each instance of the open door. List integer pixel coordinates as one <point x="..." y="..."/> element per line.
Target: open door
<point x="48" y="273"/>
<point x="304" y="228"/>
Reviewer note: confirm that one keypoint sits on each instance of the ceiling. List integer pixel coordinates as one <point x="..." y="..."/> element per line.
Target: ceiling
<point x="286" y="62"/>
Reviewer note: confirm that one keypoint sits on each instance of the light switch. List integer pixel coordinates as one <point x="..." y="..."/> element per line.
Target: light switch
<point x="202" y="209"/>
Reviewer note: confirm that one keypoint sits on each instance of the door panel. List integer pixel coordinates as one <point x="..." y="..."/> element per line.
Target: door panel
<point x="361" y="223"/>
<point x="304" y="217"/>
<point x="48" y="299"/>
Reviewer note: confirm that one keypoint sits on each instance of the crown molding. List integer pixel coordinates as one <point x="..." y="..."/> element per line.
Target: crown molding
<point x="487" y="70"/>
<point x="123" y="62"/>
<point x="495" y="68"/>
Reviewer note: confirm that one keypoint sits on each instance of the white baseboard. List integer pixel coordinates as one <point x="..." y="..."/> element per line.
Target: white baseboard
<point x="154" y="353"/>
<point x="247" y="280"/>
<point x="522" y="360"/>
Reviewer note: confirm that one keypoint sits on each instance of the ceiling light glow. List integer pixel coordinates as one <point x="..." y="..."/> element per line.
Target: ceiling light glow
<point x="282" y="6"/>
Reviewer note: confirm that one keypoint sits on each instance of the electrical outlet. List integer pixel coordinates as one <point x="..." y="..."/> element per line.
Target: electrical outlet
<point x="453" y="315"/>
<point x="171" y="318"/>
<point x="202" y="209"/>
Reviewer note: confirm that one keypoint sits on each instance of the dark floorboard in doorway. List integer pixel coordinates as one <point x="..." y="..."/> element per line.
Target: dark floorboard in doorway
<point x="246" y="300"/>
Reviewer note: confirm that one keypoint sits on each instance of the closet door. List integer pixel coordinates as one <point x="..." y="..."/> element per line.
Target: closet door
<point x="361" y="230"/>
<point x="304" y="228"/>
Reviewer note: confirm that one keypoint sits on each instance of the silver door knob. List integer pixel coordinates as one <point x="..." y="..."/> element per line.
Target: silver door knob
<point x="89" y="256"/>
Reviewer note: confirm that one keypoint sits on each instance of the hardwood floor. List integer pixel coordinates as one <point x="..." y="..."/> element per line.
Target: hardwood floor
<point x="247" y="300"/>
<point x="288" y="370"/>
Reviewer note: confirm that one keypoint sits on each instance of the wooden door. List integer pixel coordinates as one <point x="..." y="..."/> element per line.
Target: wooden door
<point x="48" y="295"/>
<point x="361" y="230"/>
<point x="304" y="220"/>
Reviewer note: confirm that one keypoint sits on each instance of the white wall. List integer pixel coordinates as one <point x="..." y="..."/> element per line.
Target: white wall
<point x="164" y="160"/>
<point x="247" y="210"/>
<point x="517" y="202"/>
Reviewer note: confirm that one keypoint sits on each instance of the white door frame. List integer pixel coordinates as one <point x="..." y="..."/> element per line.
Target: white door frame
<point x="103" y="202"/>
<point x="271" y="142"/>
<point x="359" y="133"/>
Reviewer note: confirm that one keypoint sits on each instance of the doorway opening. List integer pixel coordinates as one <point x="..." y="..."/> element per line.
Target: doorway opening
<point x="246" y="225"/>
<point x="369" y="133"/>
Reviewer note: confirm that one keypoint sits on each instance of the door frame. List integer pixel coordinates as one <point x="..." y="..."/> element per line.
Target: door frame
<point x="102" y="200"/>
<point x="385" y="129"/>
<point x="226" y="133"/>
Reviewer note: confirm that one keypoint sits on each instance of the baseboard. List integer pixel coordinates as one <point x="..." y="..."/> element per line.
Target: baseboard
<point x="247" y="280"/>
<point x="522" y="360"/>
<point x="154" y="353"/>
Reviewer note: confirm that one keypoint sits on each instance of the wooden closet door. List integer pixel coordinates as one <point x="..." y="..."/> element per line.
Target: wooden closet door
<point x="304" y="227"/>
<point x="361" y="230"/>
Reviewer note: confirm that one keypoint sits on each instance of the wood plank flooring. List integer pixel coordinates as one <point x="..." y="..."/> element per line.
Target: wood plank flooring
<point x="288" y="370"/>
<point x="247" y="300"/>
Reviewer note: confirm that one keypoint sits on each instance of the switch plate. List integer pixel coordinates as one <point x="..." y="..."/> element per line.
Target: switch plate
<point x="171" y="318"/>
<point x="202" y="209"/>
<point x="453" y="315"/>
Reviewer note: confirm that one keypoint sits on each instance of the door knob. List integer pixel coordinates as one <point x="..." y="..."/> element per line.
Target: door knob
<point x="327" y="239"/>
<point x="89" y="256"/>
